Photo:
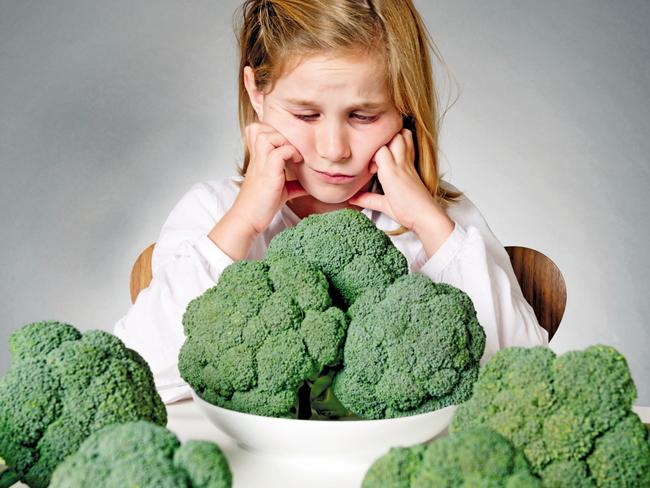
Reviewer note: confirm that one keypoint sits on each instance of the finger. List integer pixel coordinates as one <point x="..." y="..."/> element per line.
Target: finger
<point x="278" y="158"/>
<point x="398" y="147"/>
<point x="265" y="143"/>
<point x="294" y="189"/>
<point x="373" y="201"/>
<point x="252" y="132"/>
<point x="408" y="137"/>
<point x="383" y="158"/>
<point x="267" y="140"/>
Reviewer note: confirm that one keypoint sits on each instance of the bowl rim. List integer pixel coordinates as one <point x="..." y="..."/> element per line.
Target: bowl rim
<point x="406" y="418"/>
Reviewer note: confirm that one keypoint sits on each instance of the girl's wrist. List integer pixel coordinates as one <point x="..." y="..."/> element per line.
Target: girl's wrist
<point x="433" y="229"/>
<point x="233" y="236"/>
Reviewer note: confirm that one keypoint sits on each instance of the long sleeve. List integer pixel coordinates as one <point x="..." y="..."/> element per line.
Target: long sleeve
<point x="473" y="260"/>
<point x="185" y="263"/>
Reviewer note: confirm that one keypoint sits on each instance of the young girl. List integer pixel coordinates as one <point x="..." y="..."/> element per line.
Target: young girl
<point x="337" y="109"/>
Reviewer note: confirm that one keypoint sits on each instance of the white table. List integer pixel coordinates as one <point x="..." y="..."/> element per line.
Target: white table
<point x="255" y="470"/>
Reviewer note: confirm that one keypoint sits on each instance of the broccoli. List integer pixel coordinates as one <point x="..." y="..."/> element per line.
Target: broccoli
<point x="412" y="347"/>
<point x="478" y="457"/>
<point x="570" y="414"/>
<point x="269" y="337"/>
<point x="145" y="455"/>
<point x="61" y="387"/>
<point x="347" y="247"/>
<point x="255" y="338"/>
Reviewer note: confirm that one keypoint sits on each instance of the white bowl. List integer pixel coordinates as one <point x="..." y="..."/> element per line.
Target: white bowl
<point x="345" y="441"/>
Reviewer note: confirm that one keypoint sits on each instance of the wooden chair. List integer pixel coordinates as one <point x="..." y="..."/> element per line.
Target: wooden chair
<point x="540" y="279"/>
<point x="542" y="285"/>
<point x="141" y="272"/>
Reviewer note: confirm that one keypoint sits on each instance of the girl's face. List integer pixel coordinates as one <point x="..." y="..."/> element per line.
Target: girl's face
<point x="336" y="110"/>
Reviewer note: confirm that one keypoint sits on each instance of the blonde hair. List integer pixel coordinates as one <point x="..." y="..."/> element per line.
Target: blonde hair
<point x="273" y="34"/>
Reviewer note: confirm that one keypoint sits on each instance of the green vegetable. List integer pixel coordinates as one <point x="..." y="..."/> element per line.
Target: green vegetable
<point x="412" y="347"/>
<point x="144" y="455"/>
<point x="347" y="247"/>
<point x="262" y="332"/>
<point x="570" y="414"/>
<point x="479" y="457"/>
<point x="61" y="387"/>
<point x="269" y="337"/>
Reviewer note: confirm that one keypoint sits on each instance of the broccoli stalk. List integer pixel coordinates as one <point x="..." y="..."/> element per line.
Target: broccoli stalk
<point x="8" y="478"/>
<point x="323" y="403"/>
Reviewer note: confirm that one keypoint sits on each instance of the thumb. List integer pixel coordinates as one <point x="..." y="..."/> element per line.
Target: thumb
<point x="367" y="199"/>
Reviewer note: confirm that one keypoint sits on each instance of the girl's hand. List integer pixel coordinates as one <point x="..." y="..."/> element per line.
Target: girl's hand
<point x="406" y="199"/>
<point x="265" y="189"/>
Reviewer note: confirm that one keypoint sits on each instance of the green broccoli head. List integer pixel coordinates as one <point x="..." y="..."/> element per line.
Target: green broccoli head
<point x="570" y="414"/>
<point x="478" y="457"/>
<point x="347" y="247"/>
<point x="62" y="386"/>
<point x="145" y="455"/>
<point x="412" y="347"/>
<point x="259" y="334"/>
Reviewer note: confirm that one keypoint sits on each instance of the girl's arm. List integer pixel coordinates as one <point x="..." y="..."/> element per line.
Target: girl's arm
<point x="473" y="259"/>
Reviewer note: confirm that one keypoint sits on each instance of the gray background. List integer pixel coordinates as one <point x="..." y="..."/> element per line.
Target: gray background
<point x="110" y="111"/>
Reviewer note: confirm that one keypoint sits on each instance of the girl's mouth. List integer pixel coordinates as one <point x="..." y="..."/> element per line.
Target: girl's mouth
<point x="335" y="178"/>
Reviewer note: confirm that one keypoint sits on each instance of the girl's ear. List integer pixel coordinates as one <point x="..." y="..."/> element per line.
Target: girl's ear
<point x="256" y="96"/>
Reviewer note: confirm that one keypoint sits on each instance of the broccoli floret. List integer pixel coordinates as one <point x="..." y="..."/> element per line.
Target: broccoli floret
<point x="145" y="455"/>
<point x="479" y="457"/>
<point x="259" y="334"/>
<point x="61" y="387"/>
<point x="347" y="247"/>
<point x="412" y="347"/>
<point x="570" y="414"/>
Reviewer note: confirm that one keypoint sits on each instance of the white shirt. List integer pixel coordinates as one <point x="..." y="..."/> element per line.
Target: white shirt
<point x="185" y="263"/>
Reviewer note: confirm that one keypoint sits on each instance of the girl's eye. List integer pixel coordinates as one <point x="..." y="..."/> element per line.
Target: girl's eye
<point x="359" y="117"/>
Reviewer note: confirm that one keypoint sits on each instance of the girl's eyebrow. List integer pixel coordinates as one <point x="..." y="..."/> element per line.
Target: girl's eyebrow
<point x="366" y="105"/>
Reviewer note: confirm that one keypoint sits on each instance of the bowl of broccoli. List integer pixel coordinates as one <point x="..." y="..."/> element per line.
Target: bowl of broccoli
<point x="330" y="326"/>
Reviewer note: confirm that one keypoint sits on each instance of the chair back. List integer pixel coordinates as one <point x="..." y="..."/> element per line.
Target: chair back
<point x="539" y="278"/>
<point x="141" y="272"/>
<point x="542" y="284"/>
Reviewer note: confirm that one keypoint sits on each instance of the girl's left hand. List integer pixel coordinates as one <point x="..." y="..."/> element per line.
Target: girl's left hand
<point x="406" y="200"/>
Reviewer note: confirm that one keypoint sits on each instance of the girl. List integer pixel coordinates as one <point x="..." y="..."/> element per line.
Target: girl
<point x="337" y="109"/>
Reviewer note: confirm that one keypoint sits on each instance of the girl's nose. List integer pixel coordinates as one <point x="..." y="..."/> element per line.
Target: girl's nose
<point x="332" y="142"/>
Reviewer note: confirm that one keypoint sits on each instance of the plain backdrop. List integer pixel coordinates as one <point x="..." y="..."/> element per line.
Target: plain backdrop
<point x="110" y="111"/>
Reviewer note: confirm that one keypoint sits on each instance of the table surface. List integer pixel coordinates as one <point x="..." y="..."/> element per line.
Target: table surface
<point x="253" y="469"/>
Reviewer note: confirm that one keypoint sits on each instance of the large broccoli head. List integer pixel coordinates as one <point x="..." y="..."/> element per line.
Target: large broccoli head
<point x="260" y="333"/>
<point x="570" y="414"/>
<point x="61" y="387"/>
<point x="347" y="247"/>
<point x="478" y="457"/>
<point x="145" y="455"/>
<point x="412" y="347"/>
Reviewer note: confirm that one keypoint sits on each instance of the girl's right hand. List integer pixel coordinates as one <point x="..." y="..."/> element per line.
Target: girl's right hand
<point x="265" y="189"/>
